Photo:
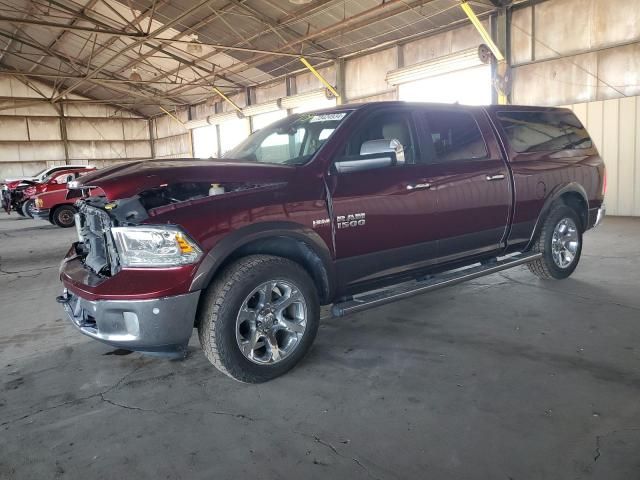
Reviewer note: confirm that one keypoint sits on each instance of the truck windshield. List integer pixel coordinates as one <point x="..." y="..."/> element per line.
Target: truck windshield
<point x="291" y="141"/>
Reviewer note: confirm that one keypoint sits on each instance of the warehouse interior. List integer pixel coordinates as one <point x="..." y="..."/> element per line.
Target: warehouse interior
<point x="499" y="377"/>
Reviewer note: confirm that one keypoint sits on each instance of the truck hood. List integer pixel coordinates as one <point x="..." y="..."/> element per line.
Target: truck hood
<point x="127" y="180"/>
<point x="19" y="179"/>
<point x="19" y="182"/>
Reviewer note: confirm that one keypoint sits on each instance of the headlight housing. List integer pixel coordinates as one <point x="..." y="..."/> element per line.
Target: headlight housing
<point x="155" y="246"/>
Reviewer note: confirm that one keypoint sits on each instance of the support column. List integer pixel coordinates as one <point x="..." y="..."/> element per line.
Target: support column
<point x="152" y="142"/>
<point x="63" y="133"/>
<point x="290" y="89"/>
<point x="502" y="74"/>
<point x="340" y="83"/>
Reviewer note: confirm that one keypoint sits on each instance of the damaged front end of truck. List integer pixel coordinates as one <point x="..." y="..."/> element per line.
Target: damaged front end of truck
<point x="127" y="280"/>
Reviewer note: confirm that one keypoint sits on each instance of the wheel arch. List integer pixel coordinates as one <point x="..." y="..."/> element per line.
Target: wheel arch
<point x="571" y="194"/>
<point x="283" y="239"/>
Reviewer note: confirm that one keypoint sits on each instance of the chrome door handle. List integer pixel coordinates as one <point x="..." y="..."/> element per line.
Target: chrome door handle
<point x="499" y="176"/>
<point x="419" y="186"/>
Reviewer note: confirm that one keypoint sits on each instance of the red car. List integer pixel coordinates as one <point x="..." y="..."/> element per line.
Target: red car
<point x="13" y="187"/>
<point x="356" y="206"/>
<point x="56" y="181"/>
<point x="54" y="207"/>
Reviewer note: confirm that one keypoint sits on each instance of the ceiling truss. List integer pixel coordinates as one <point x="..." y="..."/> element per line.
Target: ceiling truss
<point x="150" y="55"/>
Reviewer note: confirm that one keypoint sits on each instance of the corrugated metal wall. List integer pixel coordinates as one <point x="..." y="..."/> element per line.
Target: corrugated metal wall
<point x="592" y="64"/>
<point x="614" y="126"/>
<point x="171" y="138"/>
<point x="33" y="137"/>
<point x="594" y="56"/>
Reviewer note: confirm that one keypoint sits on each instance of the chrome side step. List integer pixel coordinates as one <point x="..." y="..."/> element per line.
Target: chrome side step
<point x="376" y="298"/>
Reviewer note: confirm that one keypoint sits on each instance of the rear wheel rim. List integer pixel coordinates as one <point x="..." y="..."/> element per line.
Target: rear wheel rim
<point x="565" y="243"/>
<point x="271" y="322"/>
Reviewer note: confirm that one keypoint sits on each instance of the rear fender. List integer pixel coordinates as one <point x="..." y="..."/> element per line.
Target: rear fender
<point x="554" y="195"/>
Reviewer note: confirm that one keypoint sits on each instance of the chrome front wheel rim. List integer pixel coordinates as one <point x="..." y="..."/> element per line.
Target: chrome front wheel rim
<point x="271" y="322"/>
<point x="565" y="243"/>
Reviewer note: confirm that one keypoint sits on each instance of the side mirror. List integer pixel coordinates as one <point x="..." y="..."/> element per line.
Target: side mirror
<point x="373" y="154"/>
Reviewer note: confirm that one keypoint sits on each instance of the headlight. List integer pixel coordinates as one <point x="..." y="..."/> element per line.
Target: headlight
<point x="154" y="246"/>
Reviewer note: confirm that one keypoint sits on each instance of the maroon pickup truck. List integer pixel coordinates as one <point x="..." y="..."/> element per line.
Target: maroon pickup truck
<point x="355" y="206"/>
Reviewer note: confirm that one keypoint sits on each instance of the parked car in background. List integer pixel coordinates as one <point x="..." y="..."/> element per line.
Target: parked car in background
<point x="40" y="176"/>
<point x="12" y="188"/>
<point x="55" y="208"/>
<point x="355" y="206"/>
<point x="54" y="182"/>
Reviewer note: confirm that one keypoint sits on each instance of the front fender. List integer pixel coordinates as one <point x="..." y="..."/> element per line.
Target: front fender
<point x="242" y="237"/>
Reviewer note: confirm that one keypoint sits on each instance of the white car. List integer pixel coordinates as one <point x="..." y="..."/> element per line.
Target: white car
<point x="40" y="176"/>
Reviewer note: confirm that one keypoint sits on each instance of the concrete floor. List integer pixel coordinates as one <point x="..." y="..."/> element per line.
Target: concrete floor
<point x="501" y="378"/>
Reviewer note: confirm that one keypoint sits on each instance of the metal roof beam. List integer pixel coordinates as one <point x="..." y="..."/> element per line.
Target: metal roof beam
<point x="83" y="15"/>
<point x="63" y="26"/>
<point x="74" y="65"/>
<point x="274" y="26"/>
<point x="101" y="80"/>
<point x="133" y="45"/>
<point x="290" y="18"/>
<point x="363" y="18"/>
<point x="193" y="63"/>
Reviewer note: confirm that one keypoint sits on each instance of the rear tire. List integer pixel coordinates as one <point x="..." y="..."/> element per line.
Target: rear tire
<point x="63" y="216"/>
<point x="27" y="208"/>
<point x="560" y="242"/>
<point x="248" y="334"/>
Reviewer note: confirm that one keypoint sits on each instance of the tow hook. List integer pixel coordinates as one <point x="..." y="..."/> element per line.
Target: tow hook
<point x="64" y="298"/>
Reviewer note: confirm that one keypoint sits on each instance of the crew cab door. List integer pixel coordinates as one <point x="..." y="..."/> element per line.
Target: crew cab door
<point x="470" y="179"/>
<point x="384" y="215"/>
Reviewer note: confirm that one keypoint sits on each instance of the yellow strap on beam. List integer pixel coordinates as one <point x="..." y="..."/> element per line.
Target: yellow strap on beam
<point x="320" y="77"/>
<point x="227" y="99"/>
<point x="172" y="116"/>
<point x="482" y="31"/>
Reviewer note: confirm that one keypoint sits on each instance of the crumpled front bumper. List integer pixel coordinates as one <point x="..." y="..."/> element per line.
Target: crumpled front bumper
<point x="162" y="325"/>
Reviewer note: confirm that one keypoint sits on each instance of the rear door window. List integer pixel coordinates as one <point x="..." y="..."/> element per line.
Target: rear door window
<point x="453" y="136"/>
<point x="544" y="131"/>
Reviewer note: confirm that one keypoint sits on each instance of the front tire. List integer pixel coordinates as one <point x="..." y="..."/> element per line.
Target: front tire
<point x="18" y="209"/>
<point x="560" y="242"/>
<point x="259" y="318"/>
<point x="27" y="208"/>
<point x="63" y="216"/>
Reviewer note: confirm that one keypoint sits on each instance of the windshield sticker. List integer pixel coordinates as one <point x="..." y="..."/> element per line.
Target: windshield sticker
<point x="327" y="117"/>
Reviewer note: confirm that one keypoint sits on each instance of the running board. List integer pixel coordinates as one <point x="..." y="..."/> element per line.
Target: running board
<point x="376" y="298"/>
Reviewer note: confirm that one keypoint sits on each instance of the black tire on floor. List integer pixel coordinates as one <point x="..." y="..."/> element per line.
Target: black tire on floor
<point x="27" y="208"/>
<point x="63" y="216"/>
<point x="545" y="267"/>
<point x="19" y="210"/>
<point x="222" y="301"/>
